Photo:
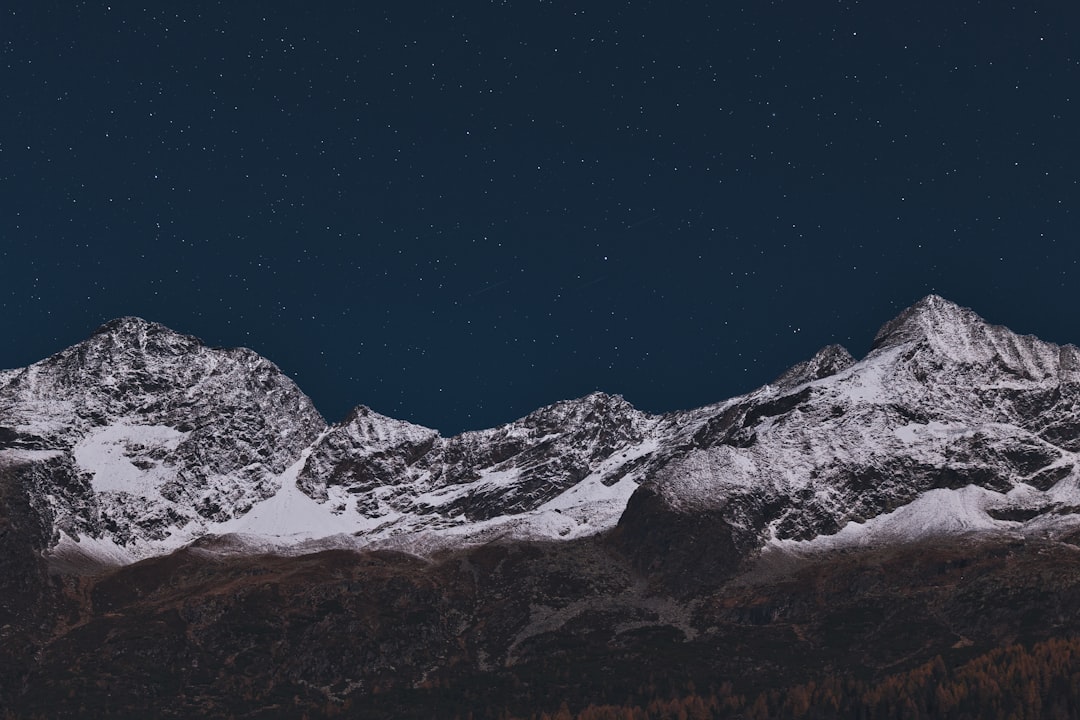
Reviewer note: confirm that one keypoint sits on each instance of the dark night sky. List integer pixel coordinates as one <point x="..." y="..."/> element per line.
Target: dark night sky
<point x="455" y="215"/>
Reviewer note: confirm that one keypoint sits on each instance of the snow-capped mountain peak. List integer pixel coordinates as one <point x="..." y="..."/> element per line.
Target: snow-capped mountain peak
<point x="961" y="336"/>
<point x="162" y="434"/>
<point x="948" y="425"/>
<point x="931" y="318"/>
<point x="136" y="334"/>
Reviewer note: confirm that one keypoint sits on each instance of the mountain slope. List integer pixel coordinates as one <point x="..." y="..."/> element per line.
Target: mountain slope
<point x="949" y="425"/>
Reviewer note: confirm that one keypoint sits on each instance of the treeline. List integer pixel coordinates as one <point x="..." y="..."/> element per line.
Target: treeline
<point x="1012" y="683"/>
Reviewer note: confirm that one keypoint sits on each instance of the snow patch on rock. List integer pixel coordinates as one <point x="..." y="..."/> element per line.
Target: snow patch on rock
<point x="110" y="453"/>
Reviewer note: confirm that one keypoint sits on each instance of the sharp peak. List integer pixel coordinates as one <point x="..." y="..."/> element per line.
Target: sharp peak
<point x="131" y="323"/>
<point x="361" y="413"/>
<point x="596" y="397"/>
<point x="937" y="306"/>
<point x="595" y="401"/>
<point x="600" y="395"/>
<point x="936" y="303"/>
<point x="139" y="335"/>
<point x="933" y="315"/>
<point x="827" y="361"/>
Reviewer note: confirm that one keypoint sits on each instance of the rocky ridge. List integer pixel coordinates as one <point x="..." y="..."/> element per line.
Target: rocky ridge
<point x="949" y="424"/>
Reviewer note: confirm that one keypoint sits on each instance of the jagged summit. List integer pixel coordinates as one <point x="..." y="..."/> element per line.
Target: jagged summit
<point x="376" y="424"/>
<point x="136" y="330"/>
<point x="130" y="324"/>
<point x="136" y="334"/>
<point x="931" y="317"/>
<point x="596" y="405"/>
<point x="830" y="360"/>
<point x="958" y="334"/>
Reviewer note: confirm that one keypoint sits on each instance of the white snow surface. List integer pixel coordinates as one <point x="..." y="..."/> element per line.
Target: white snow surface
<point x="936" y="513"/>
<point x="289" y="515"/>
<point x="107" y="454"/>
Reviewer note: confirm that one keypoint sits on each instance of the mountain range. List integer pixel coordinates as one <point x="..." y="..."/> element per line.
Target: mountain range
<point x="164" y="500"/>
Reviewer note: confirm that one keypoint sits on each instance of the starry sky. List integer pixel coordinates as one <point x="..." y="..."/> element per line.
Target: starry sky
<point x="455" y="213"/>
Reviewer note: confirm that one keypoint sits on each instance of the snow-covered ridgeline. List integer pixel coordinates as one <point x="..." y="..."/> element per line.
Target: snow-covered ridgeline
<point x="949" y="425"/>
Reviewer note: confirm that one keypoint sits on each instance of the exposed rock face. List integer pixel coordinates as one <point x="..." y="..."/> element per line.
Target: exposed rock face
<point x="388" y="468"/>
<point x="828" y="361"/>
<point x="159" y="432"/>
